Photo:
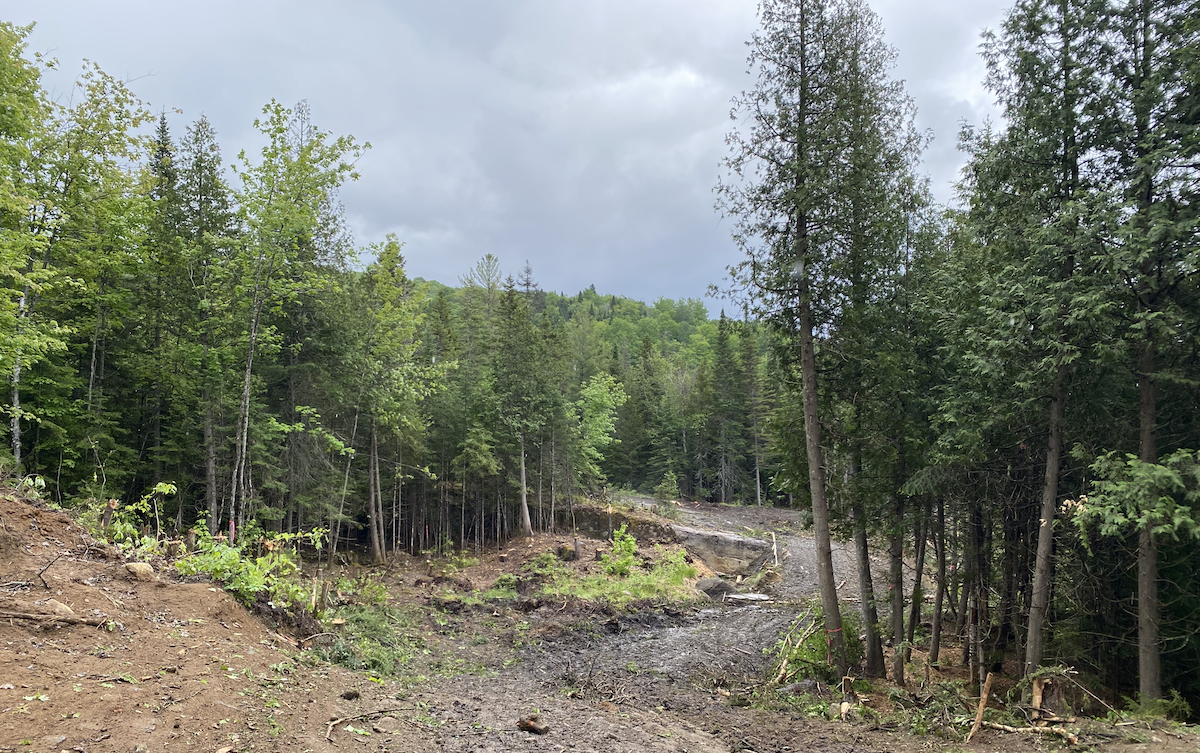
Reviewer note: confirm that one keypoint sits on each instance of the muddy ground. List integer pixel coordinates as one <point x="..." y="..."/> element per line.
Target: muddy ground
<point x="169" y="665"/>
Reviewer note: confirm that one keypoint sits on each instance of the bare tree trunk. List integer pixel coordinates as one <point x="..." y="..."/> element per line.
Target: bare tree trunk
<point x="1045" y="544"/>
<point x="757" y="466"/>
<point x="935" y="640"/>
<point x="15" y="421"/>
<point x="918" y="592"/>
<point x="525" y="522"/>
<point x="816" y="483"/>
<point x="92" y="367"/>
<point x="866" y="587"/>
<point x="976" y="632"/>
<point x="553" y="476"/>
<point x="398" y="497"/>
<point x="372" y="515"/>
<point x="1149" y="658"/>
<point x="237" y="485"/>
<point x="896" y="584"/>
<point x="379" y="520"/>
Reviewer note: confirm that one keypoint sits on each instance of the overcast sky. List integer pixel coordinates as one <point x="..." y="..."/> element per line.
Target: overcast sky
<point x="582" y="135"/>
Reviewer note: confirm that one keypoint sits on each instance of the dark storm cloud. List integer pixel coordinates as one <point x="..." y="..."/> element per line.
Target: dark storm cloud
<point x="583" y="136"/>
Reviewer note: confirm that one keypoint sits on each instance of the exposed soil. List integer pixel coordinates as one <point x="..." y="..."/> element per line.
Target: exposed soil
<point x="170" y="664"/>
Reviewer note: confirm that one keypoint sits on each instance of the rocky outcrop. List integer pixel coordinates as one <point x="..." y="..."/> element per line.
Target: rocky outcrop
<point x="725" y="553"/>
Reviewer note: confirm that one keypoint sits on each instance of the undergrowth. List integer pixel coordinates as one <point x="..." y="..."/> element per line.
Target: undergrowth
<point x="622" y="581"/>
<point x="376" y="638"/>
<point x="245" y="575"/>
<point x="803" y="651"/>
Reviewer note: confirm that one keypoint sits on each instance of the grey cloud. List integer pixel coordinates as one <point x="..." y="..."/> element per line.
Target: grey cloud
<point x="584" y="136"/>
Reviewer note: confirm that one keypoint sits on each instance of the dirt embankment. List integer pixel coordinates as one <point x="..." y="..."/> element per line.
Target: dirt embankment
<point x="98" y="660"/>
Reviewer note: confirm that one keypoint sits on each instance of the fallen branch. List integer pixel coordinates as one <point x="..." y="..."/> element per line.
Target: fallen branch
<point x="1066" y="735"/>
<point x="369" y="714"/>
<point x="1093" y="695"/>
<point x="47" y="567"/>
<point x="171" y="703"/>
<point x="281" y="638"/>
<point x="315" y="635"/>
<point x="987" y="688"/>
<point x="96" y="621"/>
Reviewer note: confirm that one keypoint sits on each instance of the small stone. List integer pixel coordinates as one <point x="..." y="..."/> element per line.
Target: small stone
<point x="53" y="741"/>
<point x="714" y="587"/>
<point x="386" y="725"/>
<point x="141" y="748"/>
<point x="533" y="723"/>
<point x="139" y="570"/>
<point x="60" y="609"/>
<point x="110" y="697"/>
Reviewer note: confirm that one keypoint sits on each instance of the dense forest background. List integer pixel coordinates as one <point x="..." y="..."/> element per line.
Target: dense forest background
<point x="1011" y="386"/>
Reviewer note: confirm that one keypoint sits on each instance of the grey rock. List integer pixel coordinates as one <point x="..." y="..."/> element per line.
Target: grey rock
<point x="726" y="553"/>
<point x="386" y="725"/>
<point x="715" y="587"/>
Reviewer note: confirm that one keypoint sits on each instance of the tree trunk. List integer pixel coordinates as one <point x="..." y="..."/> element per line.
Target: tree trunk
<point x="866" y="589"/>
<point x="935" y="640"/>
<point x="525" y="522"/>
<point x="918" y="592"/>
<point x="237" y="484"/>
<point x="553" y="475"/>
<point x="372" y="515"/>
<point x="1149" y="658"/>
<point x="15" y="421"/>
<point x="816" y="483"/>
<point x="896" y="584"/>
<point x="379" y="520"/>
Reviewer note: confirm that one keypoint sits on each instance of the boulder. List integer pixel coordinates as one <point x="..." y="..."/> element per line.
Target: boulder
<point x="725" y="553"/>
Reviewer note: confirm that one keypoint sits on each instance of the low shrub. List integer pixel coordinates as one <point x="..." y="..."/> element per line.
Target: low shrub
<point x="620" y="561"/>
<point x="803" y="651"/>
<point x="245" y="576"/>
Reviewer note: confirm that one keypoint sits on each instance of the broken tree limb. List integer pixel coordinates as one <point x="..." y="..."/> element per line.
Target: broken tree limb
<point x="95" y="621"/>
<point x="47" y="567"/>
<point x="369" y="714"/>
<point x="987" y="688"/>
<point x="1065" y="734"/>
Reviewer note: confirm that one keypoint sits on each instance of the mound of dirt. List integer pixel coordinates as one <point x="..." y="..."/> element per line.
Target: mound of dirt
<point x="94" y="659"/>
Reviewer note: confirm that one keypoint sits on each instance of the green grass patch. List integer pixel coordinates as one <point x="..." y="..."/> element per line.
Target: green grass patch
<point x="623" y="579"/>
<point x="381" y="640"/>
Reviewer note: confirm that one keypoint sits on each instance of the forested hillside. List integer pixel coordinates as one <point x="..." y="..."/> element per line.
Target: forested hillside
<point x="169" y="321"/>
<point x="1007" y="392"/>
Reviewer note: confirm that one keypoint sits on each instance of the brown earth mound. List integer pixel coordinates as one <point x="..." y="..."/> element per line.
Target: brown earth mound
<point x="94" y="659"/>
